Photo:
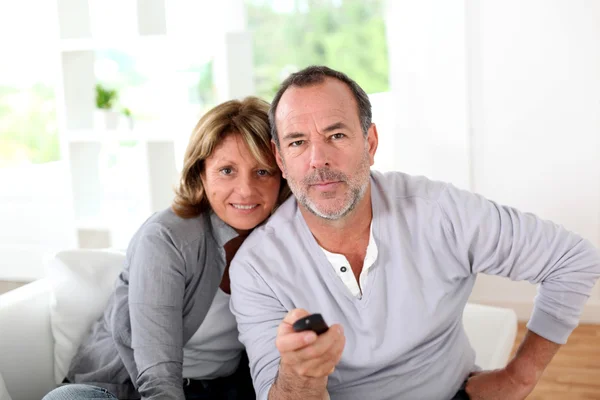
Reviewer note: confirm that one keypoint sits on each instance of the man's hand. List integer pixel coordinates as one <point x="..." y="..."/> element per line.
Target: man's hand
<point x="519" y="377"/>
<point x="304" y="353"/>
<point x="496" y="385"/>
<point x="306" y="359"/>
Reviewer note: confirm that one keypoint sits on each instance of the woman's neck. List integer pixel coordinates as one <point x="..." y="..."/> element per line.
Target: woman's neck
<point x="230" y="248"/>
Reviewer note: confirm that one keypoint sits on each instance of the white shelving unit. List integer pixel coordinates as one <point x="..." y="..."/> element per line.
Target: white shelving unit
<point x="90" y="44"/>
<point x="105" y="216"/>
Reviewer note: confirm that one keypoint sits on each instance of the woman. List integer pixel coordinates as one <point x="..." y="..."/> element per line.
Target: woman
<point x="167" y="332"/>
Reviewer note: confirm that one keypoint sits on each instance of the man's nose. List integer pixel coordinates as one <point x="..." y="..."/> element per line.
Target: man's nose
<point x="318" y="155"/>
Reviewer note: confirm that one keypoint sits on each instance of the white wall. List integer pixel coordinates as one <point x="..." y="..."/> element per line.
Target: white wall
<point x="537" y="145"/>
<point x="525" y="76"/>
<point x="428" y="80"/>
<point x="36" y="218"/>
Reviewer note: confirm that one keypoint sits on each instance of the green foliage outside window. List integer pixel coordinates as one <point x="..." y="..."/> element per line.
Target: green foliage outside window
<point x="28" y="130"/>
<point x="347" y="35"/>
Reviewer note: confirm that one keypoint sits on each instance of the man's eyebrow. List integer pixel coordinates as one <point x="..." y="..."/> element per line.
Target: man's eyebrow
<point x="335" y="127"/>
<point x="298" y="135"/>
<point x="293" y="135"/>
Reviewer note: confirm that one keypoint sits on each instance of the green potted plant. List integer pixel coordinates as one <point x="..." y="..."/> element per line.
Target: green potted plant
<point x="106" y="116"/>
<point x="126" y="112"/>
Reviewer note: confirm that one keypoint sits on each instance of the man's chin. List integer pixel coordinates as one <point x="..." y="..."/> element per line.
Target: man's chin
<point x="330" y="213"/>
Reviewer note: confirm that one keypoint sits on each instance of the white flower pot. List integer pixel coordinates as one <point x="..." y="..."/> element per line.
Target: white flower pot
<point x="125" y="122"/>
<point x="106" y="119"/>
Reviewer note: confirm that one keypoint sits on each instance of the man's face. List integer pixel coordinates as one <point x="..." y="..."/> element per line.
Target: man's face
<point x="323" y="152"/>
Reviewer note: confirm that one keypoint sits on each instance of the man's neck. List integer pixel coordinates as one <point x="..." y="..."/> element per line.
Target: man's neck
<point x="338" y="236"/>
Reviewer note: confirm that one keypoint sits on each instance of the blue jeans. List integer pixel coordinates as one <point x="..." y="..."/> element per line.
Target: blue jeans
<point x="88" y="392"/>
<point x="235" y="387"/>
<point x="77" y="392"/>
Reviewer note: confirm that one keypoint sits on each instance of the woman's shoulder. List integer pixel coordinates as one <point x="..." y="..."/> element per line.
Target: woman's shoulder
<point x="179" y="232"/>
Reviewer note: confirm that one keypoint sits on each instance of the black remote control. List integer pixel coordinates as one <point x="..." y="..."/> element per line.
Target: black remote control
<point x="314" y="322"/>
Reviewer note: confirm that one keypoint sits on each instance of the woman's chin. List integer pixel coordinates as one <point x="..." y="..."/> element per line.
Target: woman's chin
<point x="245" y="224"/>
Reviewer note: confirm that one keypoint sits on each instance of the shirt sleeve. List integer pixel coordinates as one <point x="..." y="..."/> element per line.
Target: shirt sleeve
<point x="499" y="240"/>
<point x="156" y="287"/>
<point x="258" y="313"/>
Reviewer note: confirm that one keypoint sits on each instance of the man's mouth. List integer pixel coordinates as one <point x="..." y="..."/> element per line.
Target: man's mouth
<point x="325" y="185"/>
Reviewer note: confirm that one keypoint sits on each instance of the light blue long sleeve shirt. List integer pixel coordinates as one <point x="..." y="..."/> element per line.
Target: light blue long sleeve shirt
<point x="404" y="337"/>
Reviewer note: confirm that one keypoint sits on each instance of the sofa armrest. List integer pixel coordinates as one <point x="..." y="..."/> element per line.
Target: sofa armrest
<point x="492" y="332"/>
<point x="26" y="344"/>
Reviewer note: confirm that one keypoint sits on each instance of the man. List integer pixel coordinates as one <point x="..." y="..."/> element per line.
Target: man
<point x="390" y="260"/>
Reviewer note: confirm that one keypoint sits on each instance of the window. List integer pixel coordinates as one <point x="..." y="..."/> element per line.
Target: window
<point x="157" y="84"/>
<point x="28" y="126"/>
<point x="347" y="35"/>
<point x="158" y="79"/>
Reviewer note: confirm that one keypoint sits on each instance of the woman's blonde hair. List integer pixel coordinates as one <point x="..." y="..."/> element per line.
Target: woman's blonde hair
<point x="248" y="118"/>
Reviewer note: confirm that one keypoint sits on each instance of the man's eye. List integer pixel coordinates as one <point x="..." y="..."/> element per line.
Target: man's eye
<point x="297" y="143"/>
<point x="225" y="171"/>
<point x="337" y="136"/>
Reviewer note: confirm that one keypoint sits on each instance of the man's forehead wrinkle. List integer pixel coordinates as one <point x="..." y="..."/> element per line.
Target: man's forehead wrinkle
<point x="319" y="120"/>
<point x="283" y="112"/>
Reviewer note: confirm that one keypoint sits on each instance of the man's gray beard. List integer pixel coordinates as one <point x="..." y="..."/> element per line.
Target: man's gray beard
<point x="357" y="195"/>
<point x="326" y="174"/>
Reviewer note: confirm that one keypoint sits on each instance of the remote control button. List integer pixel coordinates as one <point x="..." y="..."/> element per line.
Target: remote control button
<point x="343" y="269"/>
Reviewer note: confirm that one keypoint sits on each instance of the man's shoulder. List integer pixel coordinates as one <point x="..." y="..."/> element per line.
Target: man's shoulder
<point x="276" y="233"/>
<point x="394" y="185"/>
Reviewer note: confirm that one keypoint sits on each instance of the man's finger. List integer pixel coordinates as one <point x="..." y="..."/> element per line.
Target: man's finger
<point x="295" y="341"/>
<point x="338" y="348"/>
<point x="326" y="343"/>
<point x="285" y="327"/>
<point x="294" y="315"/>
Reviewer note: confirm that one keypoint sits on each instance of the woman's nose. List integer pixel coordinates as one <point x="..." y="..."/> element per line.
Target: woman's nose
<point x="245" y="187"/>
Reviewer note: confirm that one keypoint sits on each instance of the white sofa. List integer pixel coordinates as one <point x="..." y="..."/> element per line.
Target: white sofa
<point x="42" y="323"/>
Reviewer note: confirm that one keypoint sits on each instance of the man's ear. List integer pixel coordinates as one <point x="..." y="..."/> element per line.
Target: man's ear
<point x="278" y="159"/>
<point x="373" y="141"/>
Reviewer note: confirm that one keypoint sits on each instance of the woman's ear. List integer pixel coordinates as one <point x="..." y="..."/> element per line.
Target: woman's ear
<point x="202" y="173"/>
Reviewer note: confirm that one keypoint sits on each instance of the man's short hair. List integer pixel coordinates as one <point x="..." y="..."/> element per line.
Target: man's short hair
<point x="314" y="75"/>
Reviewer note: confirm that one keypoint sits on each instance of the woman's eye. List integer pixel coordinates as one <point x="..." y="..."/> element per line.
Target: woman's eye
<point x="225" y="171"/>
<point x="263" y="172"/>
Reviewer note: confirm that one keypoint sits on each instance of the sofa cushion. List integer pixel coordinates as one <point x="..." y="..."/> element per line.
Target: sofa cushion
<point x="81" y="284"/>
<point x="3" y="391"/>
<point x="491" y="332"/>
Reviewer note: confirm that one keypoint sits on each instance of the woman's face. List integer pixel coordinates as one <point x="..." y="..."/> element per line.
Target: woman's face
<point x="240" y="190"/>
